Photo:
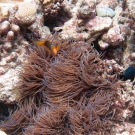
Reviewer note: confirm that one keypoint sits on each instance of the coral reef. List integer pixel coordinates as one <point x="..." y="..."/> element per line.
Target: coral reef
<point x="70" y="93"/>
<point x="13" y="48"/>
<point x="77" y="91"/>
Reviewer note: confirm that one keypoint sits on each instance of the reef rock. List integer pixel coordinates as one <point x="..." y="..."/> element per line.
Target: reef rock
<point x="86" y="10"/>
<point x="26" y="13"/>
<point x="114" y="36"/>
<point x="51" y="8"/>
<point x="107" y="3"/>
<point x="3" y="13"/>
<point x="131" y="6"/>
<point x="105" y="12"/>
<point x="99" y="24"/>
<point x="103" y="45"/>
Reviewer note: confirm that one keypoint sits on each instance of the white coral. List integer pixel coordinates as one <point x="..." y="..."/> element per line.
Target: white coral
<point x="2" y="133"/>
<point x="26" y="13"/>
<point x="4" y="12"/>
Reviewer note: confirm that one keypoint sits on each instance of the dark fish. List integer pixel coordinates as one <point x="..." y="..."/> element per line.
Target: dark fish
<point x="129" y="73"/>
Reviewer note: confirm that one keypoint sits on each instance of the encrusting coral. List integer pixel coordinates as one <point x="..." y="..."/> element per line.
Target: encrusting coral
<point x="51" y="8"/>
<point x="70" y="93"/>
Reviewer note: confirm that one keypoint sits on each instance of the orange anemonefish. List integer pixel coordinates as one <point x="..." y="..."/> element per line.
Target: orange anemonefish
<point x="51" y="48"/>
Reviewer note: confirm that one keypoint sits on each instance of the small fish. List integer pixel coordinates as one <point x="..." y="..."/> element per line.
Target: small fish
<point x="129" y="73"/>
<point x="51" y="48"/>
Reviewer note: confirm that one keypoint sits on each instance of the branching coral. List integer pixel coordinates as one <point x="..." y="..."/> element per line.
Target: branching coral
<point x="69" y="93"/>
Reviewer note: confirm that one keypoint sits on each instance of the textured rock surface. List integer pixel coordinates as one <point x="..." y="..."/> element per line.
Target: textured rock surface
<point x="99" y="24"/>
<point x="114" y="36"/>
<point x="26" y="13"/>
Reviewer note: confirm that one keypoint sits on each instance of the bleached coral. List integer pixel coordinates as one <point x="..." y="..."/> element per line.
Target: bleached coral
<point x="10" y="43"/>
<point x="15" y="28"/>
<point x="2" y="133"/>
<point x="3" y="13"/>
<point x="8" y="31"/>
<point x="26" y="13"/>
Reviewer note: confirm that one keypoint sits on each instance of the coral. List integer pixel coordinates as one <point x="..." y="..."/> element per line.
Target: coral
<point x="84" y="23"/>
<point x="38" y="29"/>
<point x="11" y="56"/>
<point x="71" y="27"/>
<point x="11" y="1"/>
<point x="107" y="3"/>
<point x="51" y="8"/>
<point x="26" y="13"/>
<point x="2" y="133"/>
<point x="78" y="90"/>
<point x="86" y="11"/>
<point x="105" y="12"/>
<point x="126" y="19"/>
<point x="102" y="24"/>
<point x="130" y="5"/>
<point x="8" y="31"/>
<point x="99" y="24"/>
<point x="115" y="35"/>
<point x="127" y="109"/>
<point x="4" y="27"/>
<point x="67" y="93"/>
<point x="15" y="29"/>
<point x="3" y="13"/>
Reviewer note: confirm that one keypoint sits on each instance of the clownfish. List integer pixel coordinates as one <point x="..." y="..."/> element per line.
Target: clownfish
<point x="51" y="48"/>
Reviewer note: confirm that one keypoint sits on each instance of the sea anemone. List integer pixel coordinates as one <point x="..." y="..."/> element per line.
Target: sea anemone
<point x="69" y="93"/>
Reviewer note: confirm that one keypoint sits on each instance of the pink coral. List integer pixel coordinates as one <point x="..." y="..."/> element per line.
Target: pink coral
<point x="99" y="24"/>
<point x="115" y="35"/>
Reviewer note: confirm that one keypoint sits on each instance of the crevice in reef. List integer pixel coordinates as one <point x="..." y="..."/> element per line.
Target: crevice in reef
<point x="132" y="119"/>
<point x="58" y="21"/>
